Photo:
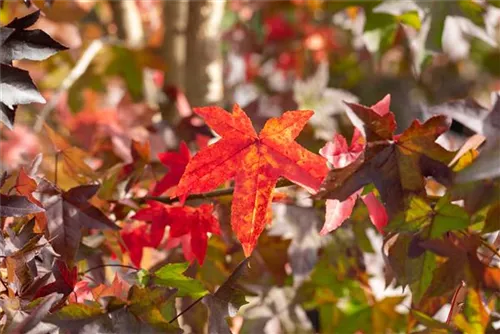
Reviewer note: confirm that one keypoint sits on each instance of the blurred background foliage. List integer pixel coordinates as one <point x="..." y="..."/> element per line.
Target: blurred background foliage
<point x="134" y="69"/>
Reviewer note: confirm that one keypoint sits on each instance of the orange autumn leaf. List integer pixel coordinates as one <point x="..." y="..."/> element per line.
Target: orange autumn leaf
<point x="25" y="186"/>
<point x="255" y="162"/>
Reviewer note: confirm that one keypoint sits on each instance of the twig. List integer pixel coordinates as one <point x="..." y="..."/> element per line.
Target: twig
<point x="457" y="299"/>
<point x="81" y="66"/>
<point x="186" y="309"/>
<point x="210" y="194"/>
<point x="109" y="265"/>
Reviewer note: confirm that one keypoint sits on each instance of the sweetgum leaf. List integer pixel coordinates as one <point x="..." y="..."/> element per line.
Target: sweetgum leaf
<point x="484" y="122"/>
<point x="188" y="225"/>
<point x="226" y="301"/>
<point x="29" y="44"/>
<point x="492" y="222"/>
<point x="176" y="163"/>
<point x="74" y="316"/>
<point x="16" y="87"/>
<point x="67" y="213"/>
<point x="145" y="304"/>
<point x="476" y="315"/>
<point x="255" y="162"/>
<point x="32" y="322"/>
<point x="7" y="115"/>
<point x="25" y="21"/>
<point x="396" y="165"/>
<point x="171" y="275"/>
<point x="433" y="222"/>
<point x="64" y="283"/>
<point x="17" y="206"/>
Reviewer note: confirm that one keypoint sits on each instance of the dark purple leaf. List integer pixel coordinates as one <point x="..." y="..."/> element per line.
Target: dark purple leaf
<point x="17" y="206"/>
<point x="16" y="87"/>
<point x="67" y="213"/>
<point x="25" y="21"/>
<point x="29" y="44"/>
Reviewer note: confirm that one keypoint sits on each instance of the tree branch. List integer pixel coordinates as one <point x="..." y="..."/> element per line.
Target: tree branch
<point x="211" y="194"/>
<point x="81" y="66"/>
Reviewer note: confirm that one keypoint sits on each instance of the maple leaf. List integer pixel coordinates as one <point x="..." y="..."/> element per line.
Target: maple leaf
<point x="73" y="158"/>
<point x="16" y="86"/>
<point x="226" y="301"/>
<point x="17" y="206"/>
<point x="340" y="155"/>
<point x="140" y="157"/>
<point x="64" y="283"/>
<point x="195" y="223"/>
<point x="463" y="264"/>
<point x="482" y="121"/>
<point x="135" y="240"/>
<point x="395" y="164"/>
<point x="255" y="162"/>
<point x="67" y="213"/>
<point x="176" y="163"/>
<point x="25" y="186"/>
<point x="190" y="224"/>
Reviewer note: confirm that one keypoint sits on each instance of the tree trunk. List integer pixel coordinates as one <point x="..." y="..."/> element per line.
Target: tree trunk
<point x="175" y="18"/>
<point x="204" y="77"/>
<point x="128" y="23"/>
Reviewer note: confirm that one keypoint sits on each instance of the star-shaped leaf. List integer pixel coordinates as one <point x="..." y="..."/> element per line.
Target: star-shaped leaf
<point x="176" y="163"/>
<point x="395" y="164"/>
<point x="67" y="213"/>
<point x="226" y="301"/>
<point x="27" y="44"/>
<point x="64" y="283"/>
<point x="17" y="206"/>
<point x="255" y="162"/>
<point x="340" y="155"/>
<point x="189" y="223"/>
<point x="16" y="86"/>
<point x="484" y="122"/>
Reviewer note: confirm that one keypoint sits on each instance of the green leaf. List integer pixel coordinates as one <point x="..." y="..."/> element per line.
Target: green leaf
<point x="473" y="10"/>
<point x="419" y="215"/>
<point x="75" y="316"/>
<point x="171" y="275"/>
<point x="422" y="268"/>
<point x="143" y="277"/>
<point x="338" y="5"/>
<point x="411" y="18"/>
<point x="475" y="315"/>
<point x="449" y="217"/>
<point x="492" y="222"/>
<point x="430" y="323"/>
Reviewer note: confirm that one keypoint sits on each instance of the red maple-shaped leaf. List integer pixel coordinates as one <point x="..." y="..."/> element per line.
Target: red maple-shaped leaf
<point x="340" y="155"/>
<point x="395" y="164"/>
<point x="157" y="214"/>
<point x="188" y="226"/>
<point x="135" y="240"/>
<point x="64" y="283"/>
<point x="176" y="163"/>
<point x="255" y="162"/>
<point x="192" y="225"/>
